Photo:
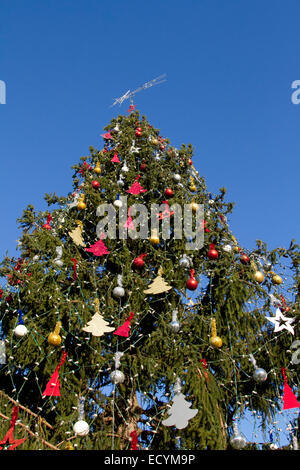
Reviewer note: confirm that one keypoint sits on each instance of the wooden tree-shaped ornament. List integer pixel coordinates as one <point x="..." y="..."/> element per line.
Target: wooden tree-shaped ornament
<point x="136" y="188"/>
<point x="180" y="412"/>
<point x="158" y="286"/>
<point x="76" y="234"/>
<point x="97" y="325"/>
<point x="99" y="248"/>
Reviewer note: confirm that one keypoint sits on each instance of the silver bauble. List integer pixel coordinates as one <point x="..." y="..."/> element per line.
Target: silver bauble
<point x="176" y="177"/>
<point x="260" y="375"/>
<point x="267" y="266"/>
<point x="120" y="183"/>
<point x="118" y="203"/>
<point x="174" y="326"/>
<point x="185" y="262"/>
<point x="118" y="292"/>
<point x="237" y="441"/>
<point x="117" y="377"/>
<point x="227" y="248"/>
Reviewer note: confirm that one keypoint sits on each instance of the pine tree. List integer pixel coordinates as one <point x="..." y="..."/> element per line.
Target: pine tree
<point x="218" y="328"/>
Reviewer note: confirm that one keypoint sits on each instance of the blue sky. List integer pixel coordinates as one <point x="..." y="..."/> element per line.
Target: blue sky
<point x="229" y="65"/>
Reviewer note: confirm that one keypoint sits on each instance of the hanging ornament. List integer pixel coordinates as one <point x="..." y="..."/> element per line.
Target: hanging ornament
<point x="118" y="203"/>
<point x="180" y="412"/>
<point x="174" y="325"/>
<point x="194" y="206"/>
<point x="192" y="283"/>
<point x="227" y="248"/>
<point x="119" y="290"/>
<point x="154" y="238"/>
<point x="267" y="266"/>
<point x="134" y="441"/>
<point x="20" y="329"/>
<point x="215" y="341"/>
<point x="139" y="263"/>
<point x="97" y="326"/>
<point x="143" y="166"/>
<point x="54" y="338"/>
<point x="47" y="226"/>
<point x="159" y="285"/>
<point x="133" y="148"/>
<point x="245" y="259"/>
<point x="129" y="222"/>
<point x="120" y="181"/>
<point x="74" y="260"/>
<point x="237" y="441"/>
<point x="98" y="248"/>
<point x="176" y="177"/>
<point x="125" y="168"/>
<point x="76" y="234"/>
<point x="169" y="192"/>
<point x="53" y="386"/>
<point x="117" y="376"/>
<point x="281" y="322"/>
<point x="192" y="186"/>
<point x="95" y="184"/>
<point x="8" y="442"/>
<point x="81" y="204"/>
<point x="259" y="374"/>
<point x="97" y="168"/>
<point x="136" y="188"/>
<point x="115" y="158"/>
<point x="289" y="399"/>
<point x="138" y="132"/>
<point x="124" y="329"/>
<point x="276" y="279"/>
<point x="81" y="427"/>
<point x="212" y="252"/>
<point x="185" y="261"/>
<point x="58" y="260"/>
<point x="259" y="277"/>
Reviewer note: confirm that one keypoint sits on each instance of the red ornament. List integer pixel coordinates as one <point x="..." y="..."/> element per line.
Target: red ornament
<point x="95" y="184"/>
<point x="191" y="283"/>
<point x="134" y="441"/>
<point x="138" y="262"/>
<point x="47" y="226"/>
<point x="143" y="166"/>
<point x="52" y="387"/>
<point x="169" y="192"/>
<point x="8" y="441"/>
<point x="289" y="399"/>
<point x="245" y="259"/>
<point x="124" y="329"/>
<point x="212" y="252"/>
<point x="98" y="249"/>
<point x="138" y="132"/>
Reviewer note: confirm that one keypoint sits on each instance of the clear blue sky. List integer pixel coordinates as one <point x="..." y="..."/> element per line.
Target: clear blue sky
<point x="230" y="65"/>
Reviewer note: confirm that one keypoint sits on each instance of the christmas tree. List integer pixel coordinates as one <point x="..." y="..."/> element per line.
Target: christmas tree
<point x="201" y="315"/>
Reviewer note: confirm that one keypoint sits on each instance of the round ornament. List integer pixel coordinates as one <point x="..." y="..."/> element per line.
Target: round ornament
<point x="192" y="283"/>
<point x="245" y="259"/>
<point x="81" y="428"/>
<point x="258" y="276"/>
<point x="143" y="166"/>
<point x="276" y="279"/>
<point x="185" y="261"/>
<point x="97" y="168"/>
<point x="117" y="377"/>
<point x="237" y="441"/>
<point x="139" y="262"/>
<point x="118" y="292"/>
<point x="54" y="339"/>
<point x="212" y="252"/>
<point x="195" y="207"/>
<point x="267" y="266"/>
<point x="95" y="184"/>
<point x="176" y="177"/>
<point x="259" y="375"/>
<point x="20" y="331"/>
<point x="81" y="205"/>
<point x="118" y="203"/>
<point x="169" y="193"/>
<point x="227" y="248"/>
<point x="154" y="239"/>
<point x="216" y="341"/>
<point x="174" y="326"/>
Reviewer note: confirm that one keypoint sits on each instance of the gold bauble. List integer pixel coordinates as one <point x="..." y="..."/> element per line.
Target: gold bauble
<point x="154" y="239"/>
<point x="216" y="341"/>
<point x="236" y="249"/>
<point x="258" y="276"/>
<point x="155" y="141"/>
<point x="81" y="205"/>
<point x="194" y="206"/>
<point x="276" y="279"/>
<point x="69" y="446"/>
<point x="97" y="169"/>
<point x="54" y="339"/>
<point x="193" y="187"/>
